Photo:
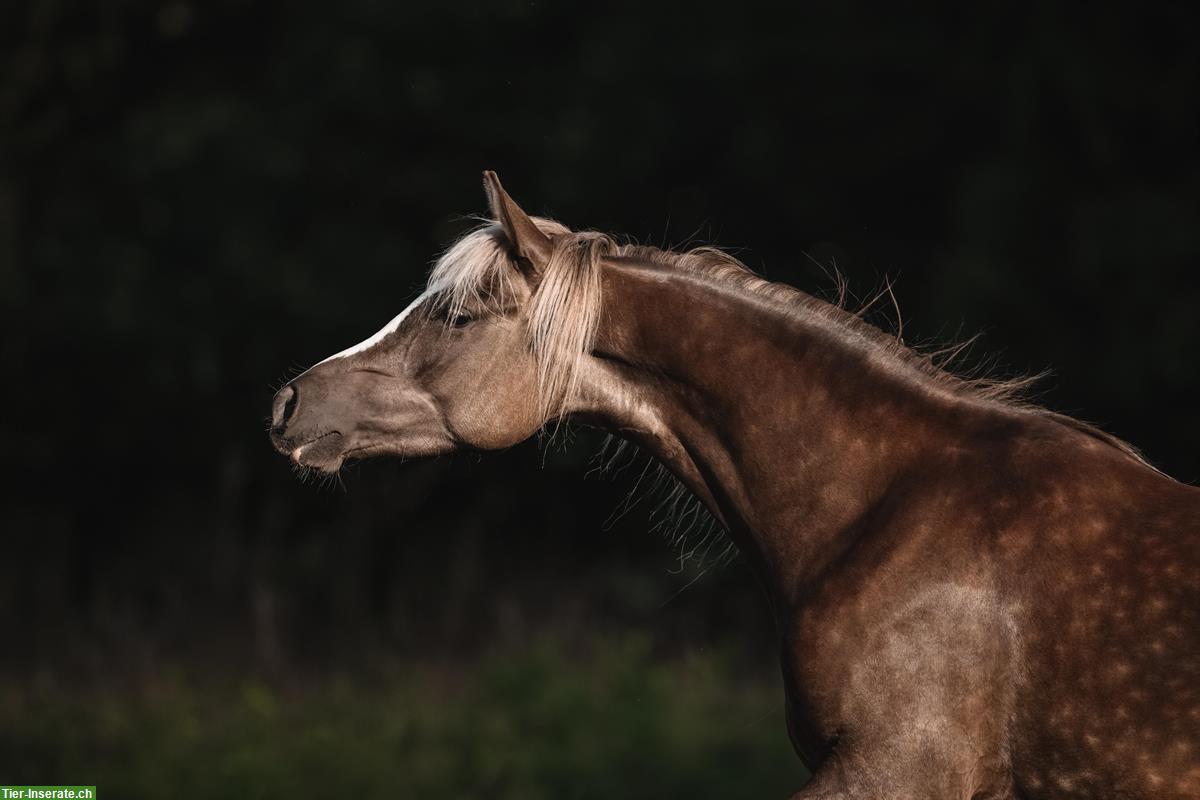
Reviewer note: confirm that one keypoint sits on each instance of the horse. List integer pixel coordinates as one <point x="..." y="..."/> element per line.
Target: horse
<point x="975" y="597"/>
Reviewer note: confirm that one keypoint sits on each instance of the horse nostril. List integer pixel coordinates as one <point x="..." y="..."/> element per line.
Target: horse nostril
<point x="283" y="408"/>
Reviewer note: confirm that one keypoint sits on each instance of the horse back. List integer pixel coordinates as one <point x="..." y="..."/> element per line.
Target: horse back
<point x="1110" y="584"/>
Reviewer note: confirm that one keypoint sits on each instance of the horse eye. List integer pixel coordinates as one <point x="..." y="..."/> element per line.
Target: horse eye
<point x="460" y="320"/>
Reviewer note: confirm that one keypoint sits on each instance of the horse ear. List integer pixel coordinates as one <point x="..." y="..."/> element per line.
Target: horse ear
<point x="528" y="241"/>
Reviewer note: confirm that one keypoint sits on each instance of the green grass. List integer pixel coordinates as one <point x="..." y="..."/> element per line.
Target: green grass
<point x="530" y="725"/>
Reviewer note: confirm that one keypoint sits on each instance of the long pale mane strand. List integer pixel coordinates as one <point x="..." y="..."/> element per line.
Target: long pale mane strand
<point x="564" y="314"/>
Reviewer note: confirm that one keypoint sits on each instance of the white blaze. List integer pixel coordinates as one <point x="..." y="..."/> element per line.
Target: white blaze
<point x="379" y="335"/>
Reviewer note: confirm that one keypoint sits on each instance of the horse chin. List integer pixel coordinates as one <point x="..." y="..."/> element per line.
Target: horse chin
<point x="323" y="454"/>
<point x="405" y="448"/>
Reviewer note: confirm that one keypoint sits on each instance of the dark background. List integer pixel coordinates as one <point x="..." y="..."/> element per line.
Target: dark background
<point x="196" y="199"/>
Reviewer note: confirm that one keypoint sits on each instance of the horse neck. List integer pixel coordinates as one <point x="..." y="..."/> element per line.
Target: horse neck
<point x="788" y="426"/>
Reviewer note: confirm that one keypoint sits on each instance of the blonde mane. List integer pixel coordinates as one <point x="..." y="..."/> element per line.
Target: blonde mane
<point x="480" y="270"/>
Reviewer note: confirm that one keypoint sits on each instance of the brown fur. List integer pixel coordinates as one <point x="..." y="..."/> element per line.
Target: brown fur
<point x="976" y="598"/>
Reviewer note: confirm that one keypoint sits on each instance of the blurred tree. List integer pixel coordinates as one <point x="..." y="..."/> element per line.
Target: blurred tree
<point x="197" y="198"/>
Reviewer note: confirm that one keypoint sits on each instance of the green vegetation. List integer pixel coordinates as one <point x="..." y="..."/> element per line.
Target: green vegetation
<point x="535" y="724"/>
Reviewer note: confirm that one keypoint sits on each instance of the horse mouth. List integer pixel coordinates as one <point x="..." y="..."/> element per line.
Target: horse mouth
<point x="323" y="452"/>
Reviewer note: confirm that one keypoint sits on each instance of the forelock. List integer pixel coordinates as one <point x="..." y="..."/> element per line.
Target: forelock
<point x="480" y="271"/>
